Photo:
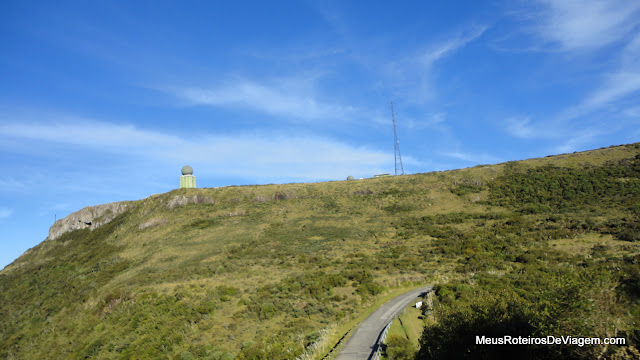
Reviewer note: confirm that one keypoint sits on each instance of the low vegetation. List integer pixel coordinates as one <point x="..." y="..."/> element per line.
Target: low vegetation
<point x="533" y="272"/>
<point x="533" y="248"/>
<point x="404" y="335"/>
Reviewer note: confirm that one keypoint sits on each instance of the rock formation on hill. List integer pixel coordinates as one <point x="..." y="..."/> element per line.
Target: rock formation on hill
<point x="89" y="217"/>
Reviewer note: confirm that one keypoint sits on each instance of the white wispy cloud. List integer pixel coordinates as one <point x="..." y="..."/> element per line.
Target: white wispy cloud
<point x="564" y="135"/>
<point x="620" y="83"/>
<point x="11" y="184"/>
<point x="520" y="127"/>
<point x="88" y="133"/>
<point x="471" y="157"/>
<point x="631" y="52"/>
<point x="576" y="27"/>
<point x="5" y="212"/>
<point x="413" y="76"/>
<point x="584" y="25"/>
<point x="615" y="87"/>
<point x="576" y="140"/>
<point x="333" y="15"/>
<point x="292" y="98"/>
<point x="254" y="156"/>
<point x="57" y="209"/>
<point x="434" y="121"/>
<point x="447" y="47"/>
<point x="633" y="112"/>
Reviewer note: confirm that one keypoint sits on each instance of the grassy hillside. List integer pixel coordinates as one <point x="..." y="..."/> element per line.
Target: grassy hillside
<point x="275" y="271"/>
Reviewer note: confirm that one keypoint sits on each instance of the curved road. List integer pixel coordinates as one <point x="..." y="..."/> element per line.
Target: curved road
<point x="364" y="340"/>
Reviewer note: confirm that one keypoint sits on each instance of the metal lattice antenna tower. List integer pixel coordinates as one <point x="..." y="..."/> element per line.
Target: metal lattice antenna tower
<point x="396" y="145"/>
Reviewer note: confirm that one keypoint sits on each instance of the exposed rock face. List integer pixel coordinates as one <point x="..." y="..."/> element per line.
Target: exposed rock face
<point x="90" y="217"/>
<point x="182" y="200"/>
<point x="151" y="223"/>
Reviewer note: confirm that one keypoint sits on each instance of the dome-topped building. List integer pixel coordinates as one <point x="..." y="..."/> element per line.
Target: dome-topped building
<point x="187" y="170"/>
<point x="187" y="180"/>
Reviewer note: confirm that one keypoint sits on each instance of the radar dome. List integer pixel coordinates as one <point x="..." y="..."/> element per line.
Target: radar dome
<point x="187" y="170"/>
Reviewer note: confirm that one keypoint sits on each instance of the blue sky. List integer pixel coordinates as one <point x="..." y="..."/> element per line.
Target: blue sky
<point x="104" y="101"/>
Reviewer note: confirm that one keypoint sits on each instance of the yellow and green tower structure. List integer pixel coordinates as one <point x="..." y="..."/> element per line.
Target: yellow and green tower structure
<point x="187" y="180"/>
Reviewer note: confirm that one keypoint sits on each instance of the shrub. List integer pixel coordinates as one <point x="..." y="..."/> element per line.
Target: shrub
<point x="398" y="348"/>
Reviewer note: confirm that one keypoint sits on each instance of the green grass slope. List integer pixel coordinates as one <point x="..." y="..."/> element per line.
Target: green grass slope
<point x="543" y="246"/>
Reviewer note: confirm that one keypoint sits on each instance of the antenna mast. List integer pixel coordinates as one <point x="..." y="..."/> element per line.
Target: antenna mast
<point x="396" y="145"/>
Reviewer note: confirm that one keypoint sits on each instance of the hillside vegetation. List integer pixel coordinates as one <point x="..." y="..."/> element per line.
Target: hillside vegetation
<point x="538" y="247"/>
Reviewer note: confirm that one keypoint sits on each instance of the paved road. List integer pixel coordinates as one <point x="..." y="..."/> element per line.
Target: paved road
<point x="364" y="340"/>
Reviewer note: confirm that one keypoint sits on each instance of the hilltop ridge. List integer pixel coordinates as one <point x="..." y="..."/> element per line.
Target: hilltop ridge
<point x="94" y="216"/>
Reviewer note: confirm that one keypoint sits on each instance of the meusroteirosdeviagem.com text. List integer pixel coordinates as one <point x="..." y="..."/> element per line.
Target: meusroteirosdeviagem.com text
<point x="548" y="340"/>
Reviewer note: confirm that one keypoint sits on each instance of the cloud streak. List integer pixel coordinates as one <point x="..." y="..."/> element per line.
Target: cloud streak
<point x="596" y="27"/>
<point x="471" y="158"/>
<point x="5" y="212"/>
<point x="87" y="133"/>
<point x="413" y="76"/>
<point x="568" y="137"/>
<point x="443" y="49"/>
<point x="259" y="157"/>
<point x="11" y="184"/>
<point x="520" y="127"/>
<point x="571" y="25"/>
<point x="292" y="98"/>
<point x="617" y="85"/>
<point x="577" y="140"/>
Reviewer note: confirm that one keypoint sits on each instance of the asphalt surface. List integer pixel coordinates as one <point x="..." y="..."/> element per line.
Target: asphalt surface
<point x="364" y="340"/>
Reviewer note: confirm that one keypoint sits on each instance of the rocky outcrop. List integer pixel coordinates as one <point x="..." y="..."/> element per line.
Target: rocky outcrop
<point x="182" y="200"/>
<point x="90" y="217"/>
<point x="151" y="223"/>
